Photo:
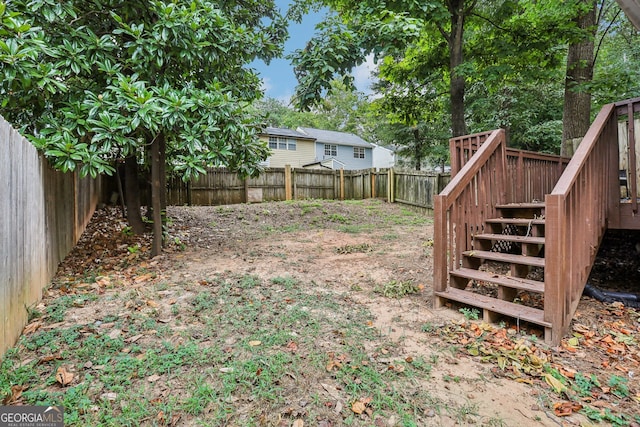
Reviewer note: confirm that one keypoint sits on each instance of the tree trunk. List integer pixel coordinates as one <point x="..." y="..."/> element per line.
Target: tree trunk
<point x="132" y="194"/>
<point x="418" y="149"/>
<point x="156" y="198"/>
<point x="457" y="88"/>
<point x="576" y="115"/>
<point x="163" y="178"/>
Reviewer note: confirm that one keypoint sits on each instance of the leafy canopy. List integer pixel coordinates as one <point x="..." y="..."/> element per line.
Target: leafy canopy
<point x="90" y="82"/>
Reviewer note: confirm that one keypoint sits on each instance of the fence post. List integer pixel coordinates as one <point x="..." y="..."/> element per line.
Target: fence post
<point x="341" y="184"/>
<point x="287" y="182"/>
<point x="390" y="187"/>
<point x="373" y="183"/>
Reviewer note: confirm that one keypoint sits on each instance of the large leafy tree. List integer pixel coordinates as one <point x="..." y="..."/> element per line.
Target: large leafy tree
<point x="156" y="83"/>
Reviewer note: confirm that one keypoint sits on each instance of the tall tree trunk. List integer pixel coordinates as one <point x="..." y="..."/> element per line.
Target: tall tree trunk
<point x="576" y="115"/>
<point x="418" y="149"/>
<point x="457" y="88"/>
<point x="156" y="197"/>
<point x="163" y="177"/>
<point x="132" y="194"/>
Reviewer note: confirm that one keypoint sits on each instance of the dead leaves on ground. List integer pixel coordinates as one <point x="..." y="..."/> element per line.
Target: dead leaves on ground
<point x="63" y="376"/>
<point x="611" y="347"/>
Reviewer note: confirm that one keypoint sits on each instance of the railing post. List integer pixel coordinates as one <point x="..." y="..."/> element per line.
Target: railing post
<point x="632" y="157"/>
<point x="555" y="272"/>
<point x="440" y="247"/>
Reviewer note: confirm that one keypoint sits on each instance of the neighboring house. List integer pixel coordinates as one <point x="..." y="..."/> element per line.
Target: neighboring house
<point x="350" y="150"/>
<point x="288" y="147"/>
<point x="383" y="157"/>
<point x="326" y="164"/>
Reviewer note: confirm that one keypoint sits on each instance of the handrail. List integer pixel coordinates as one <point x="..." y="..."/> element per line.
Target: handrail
<point x="466" y="202"/>
<point x="577" y="212"/>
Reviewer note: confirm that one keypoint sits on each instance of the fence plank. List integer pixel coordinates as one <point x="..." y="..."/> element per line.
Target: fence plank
<point x="221" y="186"/>
<point x="43" y="214"/>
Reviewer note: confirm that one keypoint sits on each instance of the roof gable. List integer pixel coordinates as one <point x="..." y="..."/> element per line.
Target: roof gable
<point x="289" y="133"/>
<point x="334" y="137"/>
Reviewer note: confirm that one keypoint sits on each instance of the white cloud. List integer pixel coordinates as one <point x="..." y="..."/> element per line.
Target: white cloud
<point x="362" y="75"/>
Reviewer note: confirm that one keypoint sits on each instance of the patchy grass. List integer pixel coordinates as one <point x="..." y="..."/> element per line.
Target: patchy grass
<point x="244" y="351"/>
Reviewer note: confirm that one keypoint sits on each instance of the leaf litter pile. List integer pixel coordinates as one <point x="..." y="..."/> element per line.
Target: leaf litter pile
<point x="313" y="313"/>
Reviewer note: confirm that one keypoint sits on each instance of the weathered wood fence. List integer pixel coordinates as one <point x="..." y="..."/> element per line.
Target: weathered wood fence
<point x="222" y="187"/>
<point x="43" y="213"/>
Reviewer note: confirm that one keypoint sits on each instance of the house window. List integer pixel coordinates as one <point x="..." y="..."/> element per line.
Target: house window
<point x="358" y="152"/>
<point x="330" y="150"/>
<point x="281" y="143"/>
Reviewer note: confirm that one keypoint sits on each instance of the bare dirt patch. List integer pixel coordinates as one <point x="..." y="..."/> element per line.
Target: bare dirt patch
<point x="301" y="313"/>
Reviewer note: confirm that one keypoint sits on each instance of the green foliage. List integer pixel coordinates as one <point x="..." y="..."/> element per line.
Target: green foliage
<point x="397" y="289"/>
<point x="470" y="313"/>
<point x="91" y="85"/>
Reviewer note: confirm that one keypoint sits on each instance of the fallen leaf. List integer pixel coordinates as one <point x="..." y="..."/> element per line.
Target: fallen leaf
<point x="255" y="343"/>
<point x="115" y="334"/>
<point x="555" y="383"/>
<point x="142" y="278"/>
<point x="109" y="396"/>
<point x="63" y="376"/>
<point x="134" y="338"/>
<point x="31" y="327"/>
<point x="358" y="407"/>
<point x="16" y="392"/>
<point x="50" y="357"/>
<point x="292" y="346"/>
<point x="298" y="423"/>
<point x="153" y="378"/>
<point x="226" y="370"/>
<point x="563" y="409"/>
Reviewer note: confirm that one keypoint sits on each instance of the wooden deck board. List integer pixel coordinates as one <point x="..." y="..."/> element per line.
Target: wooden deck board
<point x="511" y="238"/>
<point x="510" y="258"/>
<point x="500" y="279"/>
<point x="510" y="309"/>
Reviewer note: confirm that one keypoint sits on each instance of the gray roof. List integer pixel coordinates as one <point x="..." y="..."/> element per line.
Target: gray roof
<point x="285" y="132"/>
<point x="333" y="137"/>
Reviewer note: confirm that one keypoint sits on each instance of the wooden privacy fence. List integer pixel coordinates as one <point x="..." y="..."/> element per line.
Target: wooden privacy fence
<point x="43" y="213"/>
<point x="222" y="187"/>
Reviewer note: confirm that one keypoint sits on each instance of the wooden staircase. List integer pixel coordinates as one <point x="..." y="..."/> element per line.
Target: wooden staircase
<point x="506" y="263"/>
<point x="497" y="251"/>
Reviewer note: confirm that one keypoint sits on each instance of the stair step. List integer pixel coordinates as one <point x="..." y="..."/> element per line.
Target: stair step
<point x="507" y="308"/>
<point x="511" y="238"/>
<point x="509" y="258"/>
<point x="500" y="279"/>
<point x="532" y="205"/>
<point x="515" y="221"/>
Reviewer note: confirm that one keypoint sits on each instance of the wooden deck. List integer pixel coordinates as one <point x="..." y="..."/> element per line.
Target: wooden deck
<point x="546" y="212"/>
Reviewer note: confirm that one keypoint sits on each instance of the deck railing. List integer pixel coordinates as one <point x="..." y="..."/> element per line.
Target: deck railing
<point x="487" y="173"/>
<point x="582" y="205"/>
<point x="469" y="199"/>
<point x="530" y="175"/>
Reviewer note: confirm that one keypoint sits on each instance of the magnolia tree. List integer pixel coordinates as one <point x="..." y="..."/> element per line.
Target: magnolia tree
<point x="147" y="84"/>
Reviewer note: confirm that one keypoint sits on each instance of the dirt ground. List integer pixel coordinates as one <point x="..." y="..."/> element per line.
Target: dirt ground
<point x="502" y="375"/>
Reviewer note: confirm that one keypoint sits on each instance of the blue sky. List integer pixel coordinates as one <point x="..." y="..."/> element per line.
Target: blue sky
<point x="278" y="79"/>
